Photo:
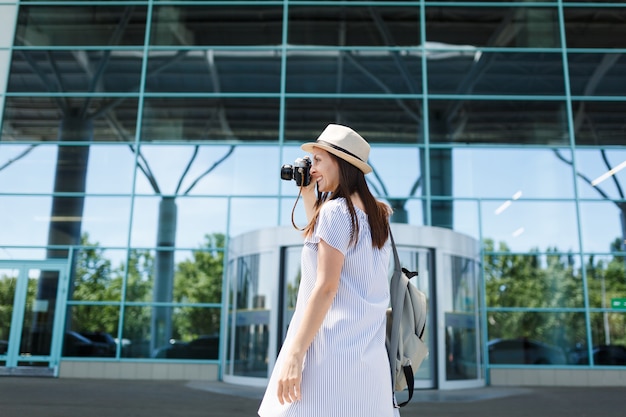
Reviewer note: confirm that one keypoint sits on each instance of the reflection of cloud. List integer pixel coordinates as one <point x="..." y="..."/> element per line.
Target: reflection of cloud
<point x="508" y="203"/>
<point x="518" y="232"/>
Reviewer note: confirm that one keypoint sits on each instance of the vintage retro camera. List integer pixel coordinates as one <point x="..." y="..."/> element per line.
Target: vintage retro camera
<point x="300" y="171"/>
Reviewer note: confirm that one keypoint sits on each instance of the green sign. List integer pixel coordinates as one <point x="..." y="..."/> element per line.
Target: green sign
<point x="619" y="303"/>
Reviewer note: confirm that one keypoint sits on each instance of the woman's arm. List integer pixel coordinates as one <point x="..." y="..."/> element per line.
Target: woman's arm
<point x="329" y="264"/>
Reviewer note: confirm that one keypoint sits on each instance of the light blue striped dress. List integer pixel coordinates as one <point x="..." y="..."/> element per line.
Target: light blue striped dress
<point x="346" y="369"/>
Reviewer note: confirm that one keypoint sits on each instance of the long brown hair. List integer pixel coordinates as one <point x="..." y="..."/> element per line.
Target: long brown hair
<point x="352" y="180"/>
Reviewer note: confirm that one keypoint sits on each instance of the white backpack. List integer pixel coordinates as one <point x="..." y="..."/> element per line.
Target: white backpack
<point x="406" y="321"/>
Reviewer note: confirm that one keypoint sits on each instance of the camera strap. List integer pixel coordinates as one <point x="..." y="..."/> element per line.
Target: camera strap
<point x="293" y="210"/>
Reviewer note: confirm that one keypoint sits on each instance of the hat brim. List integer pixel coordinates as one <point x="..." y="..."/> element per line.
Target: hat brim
<point x="363" y="166"/>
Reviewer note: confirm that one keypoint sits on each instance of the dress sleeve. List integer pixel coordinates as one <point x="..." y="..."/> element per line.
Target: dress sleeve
<point x="333" y="226"/>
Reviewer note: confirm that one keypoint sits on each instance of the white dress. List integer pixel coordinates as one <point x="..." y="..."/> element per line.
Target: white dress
<point x="346" y="368"/>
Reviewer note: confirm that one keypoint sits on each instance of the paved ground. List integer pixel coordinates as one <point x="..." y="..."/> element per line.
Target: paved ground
<point x="49" y="397"/>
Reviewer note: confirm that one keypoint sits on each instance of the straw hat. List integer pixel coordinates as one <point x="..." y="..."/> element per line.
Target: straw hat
<point x="344" y="143"/>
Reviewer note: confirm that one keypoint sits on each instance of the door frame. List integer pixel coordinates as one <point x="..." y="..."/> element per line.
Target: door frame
<point x="13" y="357"/>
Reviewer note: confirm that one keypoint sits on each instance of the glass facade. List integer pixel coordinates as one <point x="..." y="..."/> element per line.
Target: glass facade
<point x="139" y="137"/>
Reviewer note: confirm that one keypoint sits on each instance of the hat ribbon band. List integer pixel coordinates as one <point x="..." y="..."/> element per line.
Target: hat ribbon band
<point x="339" y="148"/>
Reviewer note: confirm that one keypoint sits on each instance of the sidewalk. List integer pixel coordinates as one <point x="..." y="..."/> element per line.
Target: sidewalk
<point x="49" y="397"/>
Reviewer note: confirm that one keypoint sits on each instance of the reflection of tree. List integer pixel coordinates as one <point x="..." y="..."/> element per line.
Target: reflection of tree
<point x="545" y="281"/>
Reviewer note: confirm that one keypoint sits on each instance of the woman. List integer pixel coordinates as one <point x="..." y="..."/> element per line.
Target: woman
<point x="333" y="362"/>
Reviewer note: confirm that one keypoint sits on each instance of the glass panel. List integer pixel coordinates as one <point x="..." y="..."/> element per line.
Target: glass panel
<point x="25" y="220"/>
<point x="609" y="339"/>
<point x="602" y="226"/>
<point x="532" y="280"/>
<point x="106" y="220"/>
<point x="92" y="330"/>
<point x="354" y="72"/>
<point x="255" y="286"/>
<point x="98" y="273"/>
<point x="181" y="222"/>
<point x="511" y="173"/>
<point x="208" y="170"/>
<point x="226" y="119"/>
<point x="81" y="25"/>
<point x="136" y="332"/>
<point x="75" y="71"/>
<point x="214" y="71"/>
<point x="606" y="281"/>
<point x="31" y="168"/>
<point x="377" y="120"/>
<point x="4" y="67"/>
<point x="599" y="173"/>
<point x="229" y="25"/>
<point x="599" y="123"/>
<point x="498" y="122"/>
<point x="247" y="214"/>
<point x="460" y="312"/>
<point x="532" y="338"/>
<point x="8" y="284"/>
<point x="595" y="27"/>
<point x="291" y="285"/>
<point x="177" y="276"/>
<point x="520" y="27"/>
<point x="419" y="260"/>
<point x="41" y="119"/>
<point x="195" y="333"/>
<point x="597" y="74"/>
<point x="465" y="218"/>
<point x="7" y="23"/>
<point x="531" y="225"/>
<point x="354" y="26"/>
<point x="473" y="72"/>
<point x="39" y="312"/>
<point x="398" y="175"/>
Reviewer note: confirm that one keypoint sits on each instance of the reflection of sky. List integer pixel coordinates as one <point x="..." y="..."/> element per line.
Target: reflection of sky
<point x="253" y="171"/>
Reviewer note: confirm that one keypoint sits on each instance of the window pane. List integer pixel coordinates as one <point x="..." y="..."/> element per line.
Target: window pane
<point x="7" y="22"/>
<point x="354" y="71"/>
<point x="533" y="280"/>
<point x="377" y="120"/>
<point x="609" y="339"/>
<point x="595" y="27"/>
<point x="81" y="25"/>
<point x="40" y="119"/>
<point x="214" y="71"/>
<point x="214" y="170"/>
<point x="603" y="170"/>
<point x="27" y="168"/>
<point x="92" y="331"/>
<point x="217" y="25"/>
<point x="511" y="173"/>
<point x="599" y="123"/>
<point x="182" y="222"/>
<point x="605" y="279"/>
<point x="602" y="226"/>
<point x="75" y="71"/>
<point x="354" y="26"/>
<point x="530" y="225"/>
<point x="519" y="27"/>
<point x="97" y="276"/>
<point x="247" y="214"/>
<point x="531" y="338"/>
<point x="226" y="119"/>
<point x="475" y="72"/>
<point x="597" y="74"/>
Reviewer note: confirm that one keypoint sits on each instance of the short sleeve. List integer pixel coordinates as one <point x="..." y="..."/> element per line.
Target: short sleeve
<point x="334" y="225"/>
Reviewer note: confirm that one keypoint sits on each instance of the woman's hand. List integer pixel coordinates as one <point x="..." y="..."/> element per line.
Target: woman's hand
<point x="290" y="380"/>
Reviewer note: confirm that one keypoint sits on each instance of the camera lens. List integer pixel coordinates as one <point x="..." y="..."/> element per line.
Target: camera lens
<point x="286" y="172"/>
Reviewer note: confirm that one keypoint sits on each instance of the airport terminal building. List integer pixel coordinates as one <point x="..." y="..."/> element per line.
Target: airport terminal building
<point x="145" y="232"/>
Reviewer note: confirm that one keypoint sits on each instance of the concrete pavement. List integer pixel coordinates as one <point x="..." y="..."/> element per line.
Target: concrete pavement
<point x="49" y="397"/>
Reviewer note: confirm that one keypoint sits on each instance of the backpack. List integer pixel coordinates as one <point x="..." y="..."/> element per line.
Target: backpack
<point x="406" y="321"/>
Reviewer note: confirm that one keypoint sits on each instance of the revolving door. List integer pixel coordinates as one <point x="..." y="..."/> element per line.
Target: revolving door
<point x="262" y="285"/>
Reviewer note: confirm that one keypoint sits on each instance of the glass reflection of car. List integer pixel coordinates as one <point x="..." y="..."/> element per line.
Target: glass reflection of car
<point x="75" y="344"/>
<point x="204" y="347"/>
<point x="104" y="339"/>
<point x="603" y="355"/>
<point x="522" y="351"/>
